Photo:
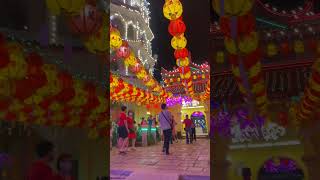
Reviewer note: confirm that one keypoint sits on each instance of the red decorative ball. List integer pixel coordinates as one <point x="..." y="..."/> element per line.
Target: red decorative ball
<point x="88" y="22"/>
<point x="177" y="27"/>
<point x="181" y="53"/>
<point x="284" y="48"/>
<point x="124" y="50"/>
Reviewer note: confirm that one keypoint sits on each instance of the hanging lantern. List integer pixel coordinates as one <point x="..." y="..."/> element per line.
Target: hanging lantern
<point x="284" y="48"/>
<point x="298" y="46"/>
<point x="115" y="38"/>
<point x="220" y="57"/>
<point x="136" y="68"/>
<point x="124" y="50"/>
<point x="172" y="9"/>
<point x="98" y="43"/>
<point x="130" y="60"/>
<point x="272" y="49"/>
<point x="181" y="53"/>
<point x="69" y="6"/>
<point x="179" y="42"/>
<point x="233" y="7"/>
<point x="88" y="22"/>
<point x="312" y="44"/>
<point x="176" y="27"/>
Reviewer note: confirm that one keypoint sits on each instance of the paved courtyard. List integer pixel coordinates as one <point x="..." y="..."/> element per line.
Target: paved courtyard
<point x="184" y="160"/>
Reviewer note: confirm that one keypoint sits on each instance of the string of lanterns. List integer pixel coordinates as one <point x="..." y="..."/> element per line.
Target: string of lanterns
<point x="38" y="93"/>
<point x="123" y="51"/>
<point x="241" y="41"/>
<point x="172" y="10"/>
<point x="310" y="101"/>
<point x="85" y="20"/>
<point x="121" y="91"/>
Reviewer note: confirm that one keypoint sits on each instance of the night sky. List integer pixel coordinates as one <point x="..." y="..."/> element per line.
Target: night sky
<point x="196" y="15"/>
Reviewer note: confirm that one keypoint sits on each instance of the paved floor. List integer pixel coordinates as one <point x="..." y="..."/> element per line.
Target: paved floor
<point x="184" y="160"/>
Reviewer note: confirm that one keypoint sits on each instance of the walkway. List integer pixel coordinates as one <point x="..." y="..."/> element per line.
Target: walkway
<point x="184" y="160"/>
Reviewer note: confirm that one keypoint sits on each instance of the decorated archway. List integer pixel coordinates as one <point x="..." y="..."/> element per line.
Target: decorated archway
<point x="280" y="168"/>
<point x="199" y="120"/>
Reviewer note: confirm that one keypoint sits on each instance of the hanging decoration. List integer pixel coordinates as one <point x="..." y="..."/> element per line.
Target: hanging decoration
<point x="241" y="41"/>
<point x="123" y="50"/>
<point x="172" y="10"/>
<point x="44" y="95"/>
<point x="308" y="105"/>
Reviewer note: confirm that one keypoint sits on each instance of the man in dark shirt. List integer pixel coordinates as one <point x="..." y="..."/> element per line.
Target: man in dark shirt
<point x="40" y="169"/>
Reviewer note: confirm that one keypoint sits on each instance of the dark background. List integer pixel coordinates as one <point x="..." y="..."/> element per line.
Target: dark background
<point x="196" y="15"/>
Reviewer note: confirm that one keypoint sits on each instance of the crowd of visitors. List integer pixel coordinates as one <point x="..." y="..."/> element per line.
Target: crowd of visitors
<point x="127" y="130"/>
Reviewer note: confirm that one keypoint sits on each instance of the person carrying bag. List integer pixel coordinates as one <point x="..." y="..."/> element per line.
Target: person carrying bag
<point x="166" y="126"/>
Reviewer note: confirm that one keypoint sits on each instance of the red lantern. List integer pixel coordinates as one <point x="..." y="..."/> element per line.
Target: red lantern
<point x="283" y="119"/>
<point x="88" y="22"/>
<point x="65" y="80"/>
<point x="4" y="104"/>
<point x="34" y="60"/>
<point x="246" y="24"/>
<point x="177" y="27"/>
<point x="181" y="53"/>
<point x="312" y="45"/>
<point x="4" y="57"/>
<point x="124" y="50"/>
<point x="136" y="68"/>
<point x="284" y="48"/>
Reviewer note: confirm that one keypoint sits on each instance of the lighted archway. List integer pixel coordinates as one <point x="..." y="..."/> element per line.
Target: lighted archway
<point x="280" y="168"/>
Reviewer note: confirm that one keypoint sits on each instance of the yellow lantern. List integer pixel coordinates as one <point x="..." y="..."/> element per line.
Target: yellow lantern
<point x="230" y="45"/>
<point x="233" y="7"/>
<point x="298" y="46"/>
<point x="220" y="57"/>
<point x="179" y="42"/>
<point x="98" y="43"/>
<point x="203" y="76"/>
<point x="171" y="80"/>
<point x="194" y="77"/>
<point x="115" y="39"/>
<point x="69" y="6"/>
<point x="178" y="79"/>
<point x="249" y="43"/>
<point x="131" y="60"/>
<point x="272" y="49"/>
<point x="172" y="9"/>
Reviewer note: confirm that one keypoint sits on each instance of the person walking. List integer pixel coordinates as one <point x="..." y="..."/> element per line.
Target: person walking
<point x="174" y="132"/>
<point x="123" y="131"/>
<point x="193" y="131"/>
<point x="132" y="134"/>
<point x="165" y="119"/>
<point x="188" y="124"/>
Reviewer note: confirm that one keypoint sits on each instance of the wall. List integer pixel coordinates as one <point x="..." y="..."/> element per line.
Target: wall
<point x="254" y="158"/>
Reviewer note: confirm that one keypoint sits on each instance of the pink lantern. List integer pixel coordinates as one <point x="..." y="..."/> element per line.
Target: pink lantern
<point x="124" y="50"/>
<point x="88" y="22"/>
<point x="136" y="68"/>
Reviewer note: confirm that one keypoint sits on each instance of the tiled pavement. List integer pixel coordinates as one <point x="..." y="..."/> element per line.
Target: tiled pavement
<point x="184" y="160"/>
